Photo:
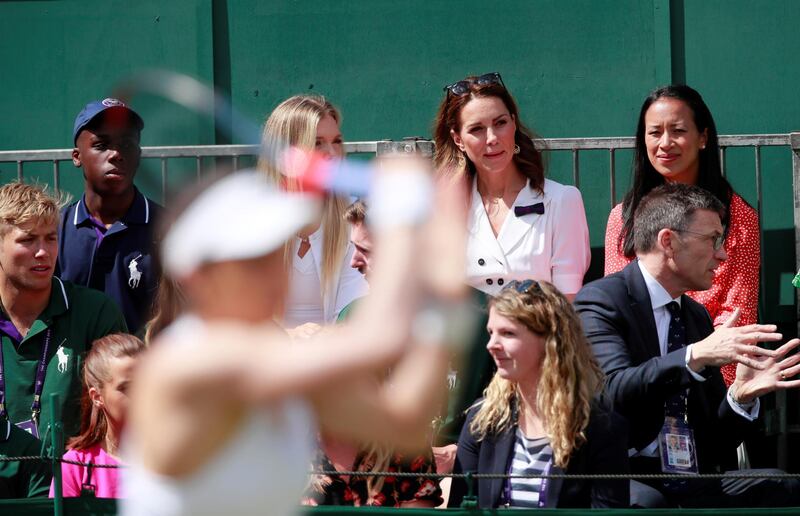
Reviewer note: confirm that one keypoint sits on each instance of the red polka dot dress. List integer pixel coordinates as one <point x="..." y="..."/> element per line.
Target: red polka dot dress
<point x="736" y="281"/>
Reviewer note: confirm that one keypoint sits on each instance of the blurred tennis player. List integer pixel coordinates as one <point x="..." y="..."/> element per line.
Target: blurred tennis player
<point x="225" y="407"/>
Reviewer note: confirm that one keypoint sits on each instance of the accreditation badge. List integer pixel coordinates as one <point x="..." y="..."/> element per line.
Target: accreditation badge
<point x="30" y="426"/>
<point x="676" y="447"/>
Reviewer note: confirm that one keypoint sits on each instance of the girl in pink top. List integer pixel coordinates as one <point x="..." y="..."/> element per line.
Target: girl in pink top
<point x="106" y="374"/>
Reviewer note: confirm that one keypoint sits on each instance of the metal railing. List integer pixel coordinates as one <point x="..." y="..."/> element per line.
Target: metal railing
<point x="575" y="146"/>
<point x="163" y="154"/>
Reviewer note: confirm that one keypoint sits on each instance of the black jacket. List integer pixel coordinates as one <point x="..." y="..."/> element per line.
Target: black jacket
<point x="605" y="451"/>
<point x="618" y="320"/>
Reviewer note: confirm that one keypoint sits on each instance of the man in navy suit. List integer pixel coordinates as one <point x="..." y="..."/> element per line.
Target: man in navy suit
<point x="661" y="355"/>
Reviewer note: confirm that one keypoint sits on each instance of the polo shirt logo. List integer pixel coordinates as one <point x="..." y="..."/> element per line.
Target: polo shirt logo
<point x="63" y="359"/>
<point x="135" y="273"/>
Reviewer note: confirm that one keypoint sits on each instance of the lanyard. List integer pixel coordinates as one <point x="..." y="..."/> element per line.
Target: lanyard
<point x="41" y="371"/>
<point x="542" y="486"/>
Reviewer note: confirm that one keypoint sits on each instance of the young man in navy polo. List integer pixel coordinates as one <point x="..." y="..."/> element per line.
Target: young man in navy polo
<point x="107" y="238"/>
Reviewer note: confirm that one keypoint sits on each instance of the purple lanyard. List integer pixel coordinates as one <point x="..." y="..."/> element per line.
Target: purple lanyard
<point x="542" y="488"/>
<point x="41" y="371"/>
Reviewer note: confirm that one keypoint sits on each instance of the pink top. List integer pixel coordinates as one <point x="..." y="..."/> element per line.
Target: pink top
<point x="736" y="279"/>
<point x="104" y="480"/>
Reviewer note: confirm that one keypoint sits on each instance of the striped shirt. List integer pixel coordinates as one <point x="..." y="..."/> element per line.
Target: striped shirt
<point x="531" y="457"/>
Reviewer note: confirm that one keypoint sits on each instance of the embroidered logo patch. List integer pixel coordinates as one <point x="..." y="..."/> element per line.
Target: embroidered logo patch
<point x="109" y="102"/>
<point x="135" y="275"/>
<point x="63" y="359"/>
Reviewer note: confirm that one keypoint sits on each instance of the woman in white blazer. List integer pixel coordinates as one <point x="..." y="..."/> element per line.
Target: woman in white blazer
<point x="521" y="225"/>
<point x="321" y="281"/>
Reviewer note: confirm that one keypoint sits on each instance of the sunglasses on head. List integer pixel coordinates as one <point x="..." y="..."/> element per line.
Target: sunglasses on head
<point x="527" y="286"/>
<point x="461" y="87"/>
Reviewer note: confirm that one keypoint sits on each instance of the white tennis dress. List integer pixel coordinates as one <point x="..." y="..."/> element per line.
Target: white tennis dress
<point x="262" y="469"/>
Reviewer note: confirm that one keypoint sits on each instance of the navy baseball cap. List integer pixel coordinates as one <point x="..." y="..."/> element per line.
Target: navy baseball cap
<point x="94" y="108"/>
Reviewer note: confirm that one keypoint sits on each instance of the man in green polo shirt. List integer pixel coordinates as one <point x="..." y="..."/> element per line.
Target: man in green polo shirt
<point x="46" y="325"/>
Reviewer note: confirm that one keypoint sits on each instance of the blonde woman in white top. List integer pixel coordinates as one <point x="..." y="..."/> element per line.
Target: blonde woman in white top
<point x="321" y="280"/>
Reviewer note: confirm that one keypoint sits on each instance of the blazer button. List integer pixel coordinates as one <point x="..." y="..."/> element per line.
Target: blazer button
<point x="489" y="281"/>
<point x="481" y="261"/>
<point x="500" y="281"/>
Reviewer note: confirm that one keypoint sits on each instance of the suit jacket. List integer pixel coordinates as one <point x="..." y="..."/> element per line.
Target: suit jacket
<point x="618" y="319"/>
<point x="603" y="452"/>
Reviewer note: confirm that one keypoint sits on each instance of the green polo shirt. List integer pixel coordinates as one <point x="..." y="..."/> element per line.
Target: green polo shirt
<point x="347" y="311"/>
<point x="78" y="316"/>
<point x="22" y="479"/>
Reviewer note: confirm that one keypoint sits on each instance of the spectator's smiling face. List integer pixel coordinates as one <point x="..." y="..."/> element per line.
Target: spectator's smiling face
<point x="487" y="134"/>
<point x="29" y="253"/>
<point x="673" y="141"/>
<point x="109" y="155"/>
<point x="518" y="352"/>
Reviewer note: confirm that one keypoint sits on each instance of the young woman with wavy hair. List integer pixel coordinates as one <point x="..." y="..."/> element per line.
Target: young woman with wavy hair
<point x="538" y="416"/>
<point x="321" y="282"/>
<point x="107" y="372"/>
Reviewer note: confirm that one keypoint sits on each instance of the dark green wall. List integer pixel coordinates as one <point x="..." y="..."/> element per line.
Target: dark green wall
<point x="741" y="56"/>
<point x="577" y="68"/>
<point x="58" y="55"/>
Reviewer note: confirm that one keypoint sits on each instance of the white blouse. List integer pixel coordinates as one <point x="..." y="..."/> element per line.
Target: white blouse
<point x="305" y="298"/>
<point x="553" y="246"/>
<point x="305" y="301"/>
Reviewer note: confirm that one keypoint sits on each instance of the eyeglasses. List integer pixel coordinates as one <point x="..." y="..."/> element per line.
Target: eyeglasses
<point x="718" y="240"/>
<point x="461" y="87"/>
<point x="527" y="286"/>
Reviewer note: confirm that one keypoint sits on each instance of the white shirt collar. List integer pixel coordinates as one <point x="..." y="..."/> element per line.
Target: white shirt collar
<point x="658" y="294"/>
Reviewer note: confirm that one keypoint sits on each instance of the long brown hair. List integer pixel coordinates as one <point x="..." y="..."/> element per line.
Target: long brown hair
<point x="94" y="424"/>
<point x="450" y="160"/>
<point x="569" y="377"/>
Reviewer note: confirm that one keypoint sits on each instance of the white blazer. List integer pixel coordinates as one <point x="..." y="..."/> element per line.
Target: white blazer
<point x="553" y="246"/>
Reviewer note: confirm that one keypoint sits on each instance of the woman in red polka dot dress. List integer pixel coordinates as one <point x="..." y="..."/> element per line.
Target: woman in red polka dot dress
<point x="676" y="140"/>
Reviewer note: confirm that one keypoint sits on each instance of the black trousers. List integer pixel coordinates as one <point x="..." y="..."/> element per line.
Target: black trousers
<point x="712" y="493"/>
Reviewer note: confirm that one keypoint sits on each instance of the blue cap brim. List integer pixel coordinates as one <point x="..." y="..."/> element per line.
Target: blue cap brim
<point x="92" y="110"/>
